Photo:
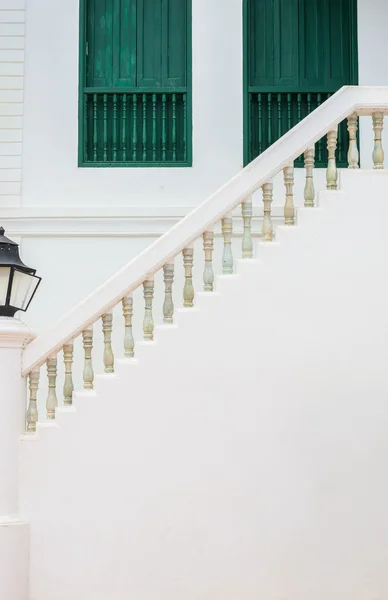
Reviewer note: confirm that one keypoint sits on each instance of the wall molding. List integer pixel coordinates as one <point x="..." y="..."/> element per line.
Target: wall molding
<point x="134" y="221"/>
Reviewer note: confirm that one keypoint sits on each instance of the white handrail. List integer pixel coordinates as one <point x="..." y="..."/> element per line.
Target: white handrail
<point x="349" y="99"/>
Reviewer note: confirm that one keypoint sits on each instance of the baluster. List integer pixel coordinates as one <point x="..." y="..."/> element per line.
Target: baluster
<point x="105" y="140"/>
<point x="331" y="173"/>
<point x="95" y="130"/>
<point x="68" y="386"/>
<point x="134" y="128"/>
<point x="174" y="127"/>
<point x="227" y="232"/>
<point x="124" y="130"/>
<point x="129" y="342"/>
<point x="188" y="290"/>
<point x="148" y="323"/>
<point x="378" y="152"/>
<point x="164" y="127"/>
<point x="154" y="127"/>
<point x="260" y="122"/>
<point x="247" y="244"/>
<point x="32" y="412"/>
<point x="267" y="221"/>
<point x="107" y="321"/>
<point x="168" y="305"/>
<point x="289" y="210"/>
<point x="299" y="100"/>
<point x="114" y="134"/>
<point x="208" y="274"/>
<point x="279" y="115"/>
<point x="309" y="191"/>
<point x="52" y="400"/>
<point x="353" y="155"/>
<point x="185" y="127"/>
<point x="88" y="373"/>
<point x="289" y="111"/>
<point x="86" y="112"/>
<point x="320" y="143"/>
<point x="309" y="103"/>
<point x="269" y="99"/>
<point x="144" y="129"/>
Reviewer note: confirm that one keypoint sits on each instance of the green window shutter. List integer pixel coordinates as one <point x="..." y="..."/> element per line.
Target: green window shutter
<point x="135" y="83"/>
<point x="296" y="54"/>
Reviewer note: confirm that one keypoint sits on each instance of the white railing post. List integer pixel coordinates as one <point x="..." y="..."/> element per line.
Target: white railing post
<point x="129" y="342"/>
<point x="14" y="534"/>
<point x="309" y="191"/>
<point x="107" y="327"/>
<point x="168" y="305"/>
<point x="267" y="221"/>
<point x="208" y="273"/>
<point x="289" y="209"/>
<point x="378" y="152"/>
<point x="88" y="373"/>
<point x="227" y="232"/>
<point x="148" y="322"/>
<point x="68" y="386"/>
<point x="188" y="289"/>
<point x="246" y="213"/>
<point x="353" y="154"/>
<point x="331" y="172"/>
<point x="52" y="400"/>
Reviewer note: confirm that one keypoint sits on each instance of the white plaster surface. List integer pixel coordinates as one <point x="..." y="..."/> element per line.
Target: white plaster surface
<point x="243" y="454"/>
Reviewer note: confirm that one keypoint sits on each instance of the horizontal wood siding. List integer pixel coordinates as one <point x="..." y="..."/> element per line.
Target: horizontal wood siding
<point x="12" y="29"/>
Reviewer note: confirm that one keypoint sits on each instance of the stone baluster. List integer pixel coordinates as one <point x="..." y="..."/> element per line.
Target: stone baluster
<point x="246" y="212"/>
<point x="168" y="305"/>
<point x="378" y="152"/>
<point x="188" y="290"/>
<point x="353" y="154"/>
<point x="289" y="209"/>
<point x="331" y="172"/>
<point x="267" y="221"/>
<point x="32" y="412"/>
<point x="309" y="191"/>
<point x="129" y="342"/>
<point x="208" y="273"/>
<point x="68" y="386"/>
<point x="88" y="373"/>
<point x="107" y="326"/>
<point x="227" y="232"/>
<point x="52" y="400"/>
<point x="148" y="322"/>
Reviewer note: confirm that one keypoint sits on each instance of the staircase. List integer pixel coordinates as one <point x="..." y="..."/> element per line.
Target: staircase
<point x="238" y="451"/>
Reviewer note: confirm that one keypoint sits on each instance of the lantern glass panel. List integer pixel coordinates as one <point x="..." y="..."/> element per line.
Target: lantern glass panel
<point x="23" y="288"/>
<point x="5" y="273"/>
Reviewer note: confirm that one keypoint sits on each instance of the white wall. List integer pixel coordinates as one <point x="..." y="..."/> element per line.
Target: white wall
<point x="243" y="455"/>
<point x="78" y="226"/>
<point x="12" y="18"/>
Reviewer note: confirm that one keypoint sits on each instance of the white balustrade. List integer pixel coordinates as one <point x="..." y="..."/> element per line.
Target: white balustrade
<point x="68" y="386"/>
<point x="32" y="411"/>
<point x="331" y="172"/>
<point x="289" y="209"/>
<point x="88" y="373"/>
<point x="107" y="326"/>
<point x="353" y="154"/>
<point x="378" y="152"/>
<point x="52" y="400"/>
<point x="129" y="342"/>
<point x="267" y="221"/>
<point x="309" y="191"/>
<point x="247" y="243"/>
<point x="227" y="232"/>
<point x="208" y="273"/>
<point x="188" y="290"/>
<point x="168" y="305"/>
<point x="148" y="323"/>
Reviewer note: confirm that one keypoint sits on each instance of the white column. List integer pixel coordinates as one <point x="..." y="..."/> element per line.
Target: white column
<point x="14" y="534"/>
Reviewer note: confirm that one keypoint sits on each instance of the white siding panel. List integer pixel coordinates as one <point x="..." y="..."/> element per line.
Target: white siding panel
<point x="11" y="69"/>
<point x="11" y="16"/>
<point x="10" y="149"/>
<point x="12" y="31"/>
<point x="9" y="109"/>
<point x="10" y="162"/>
<point x="11" y="56"/>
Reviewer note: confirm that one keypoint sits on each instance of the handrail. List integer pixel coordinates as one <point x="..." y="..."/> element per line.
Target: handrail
<point x="349" y="99"/>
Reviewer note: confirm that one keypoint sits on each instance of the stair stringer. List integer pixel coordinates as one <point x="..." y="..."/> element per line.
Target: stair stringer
<point x="241" y="454"/>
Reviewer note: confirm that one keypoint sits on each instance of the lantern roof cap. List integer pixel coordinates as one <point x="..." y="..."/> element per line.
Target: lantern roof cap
<point x="5" y="240"/>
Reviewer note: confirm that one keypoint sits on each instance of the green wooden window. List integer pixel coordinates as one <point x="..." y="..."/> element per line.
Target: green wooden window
<point x="297" y="53"/>
<point x="135" y="83"/>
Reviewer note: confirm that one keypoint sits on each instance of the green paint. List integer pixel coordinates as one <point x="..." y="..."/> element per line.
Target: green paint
<point x="296" y="52"/>
<point x="135" y="104"/>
